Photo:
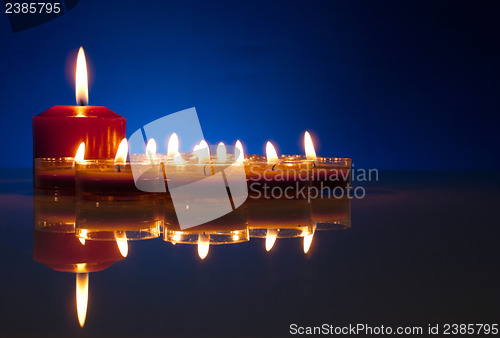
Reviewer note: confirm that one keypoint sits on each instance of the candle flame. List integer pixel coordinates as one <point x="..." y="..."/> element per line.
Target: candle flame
<point x="151" y="148"/>
<point x="308" y="241"/>
<point x="203" y="152"/>
<point x="82" y="296"/>
<point x="240" y="156"/>
<point x="83" y="233"/>
<point x="271" y="236"/>
<point x="308" y="144"/>
<point x="121" y="154"/>
<point x="81" y="81"/>
<point x="80" y="153"/>
<point x="221" y="152"/>
<point x="203" y="245"/>
<point x="173" y="145"/>
<point x="271" y="154"/>
<point x="121" y="241"/>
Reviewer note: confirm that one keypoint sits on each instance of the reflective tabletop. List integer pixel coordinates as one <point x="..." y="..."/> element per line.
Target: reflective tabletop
<point x="420" y="248"/>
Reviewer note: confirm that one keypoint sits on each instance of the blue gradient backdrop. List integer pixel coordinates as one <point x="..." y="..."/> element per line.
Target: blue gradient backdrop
<point x="392" y="84"/>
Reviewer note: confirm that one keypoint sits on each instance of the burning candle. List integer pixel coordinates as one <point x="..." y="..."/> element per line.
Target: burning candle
<point x="58" y="131"/>
<point x="57" y="173"/>
<point x="115" y="180"/>
<point x="327" y="173"/>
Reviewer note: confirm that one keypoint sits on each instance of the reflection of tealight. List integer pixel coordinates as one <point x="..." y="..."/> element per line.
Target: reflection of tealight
<point x="55" y="210"/>
<point x="329" y="213"/>
<point x="118" y="220"/>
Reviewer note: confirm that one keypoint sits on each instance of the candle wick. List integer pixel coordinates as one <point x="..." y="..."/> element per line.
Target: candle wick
<point x="81" y="102"/>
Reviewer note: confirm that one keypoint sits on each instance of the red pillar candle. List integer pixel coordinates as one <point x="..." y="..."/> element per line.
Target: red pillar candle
<point x="58" y="131"/>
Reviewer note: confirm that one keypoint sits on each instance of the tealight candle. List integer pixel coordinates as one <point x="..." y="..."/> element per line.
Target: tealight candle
<point x="329" y="213"/>
<point x="114" y="179"/>
<point x="57" y="173"/>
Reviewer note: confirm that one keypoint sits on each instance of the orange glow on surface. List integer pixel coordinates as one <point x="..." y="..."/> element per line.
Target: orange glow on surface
<point x="309" y="146"/>
<point x="121" y="153"/>
<point x="82" y="296"/>
<point x="81" y="79"/>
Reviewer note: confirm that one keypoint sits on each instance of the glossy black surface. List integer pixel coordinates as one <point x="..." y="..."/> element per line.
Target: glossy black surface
<point x="422" y="249"/>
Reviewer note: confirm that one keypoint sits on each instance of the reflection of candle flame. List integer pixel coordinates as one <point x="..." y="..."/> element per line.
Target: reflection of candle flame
<point x="308" y="144"/>
<point x="121" y="154"/>
<point x="151" y="148"/>
<point x="271" y="238"/>
<point x="83" y="234"/>
<point x="80" y="153"/>
<point x="271" y="154"/>
<point x="82" y="296"/>
<point x="221" y="152"/>
<point x="203" y="245"/>
<point x="239" y="152"/>
<point x="81" y="81"/>
<point x="307" y="242"/>
<point x="121" y="241"/>
<point x="173" y="145"/>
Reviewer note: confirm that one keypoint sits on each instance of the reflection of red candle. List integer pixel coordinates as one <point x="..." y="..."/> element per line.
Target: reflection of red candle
<point x="58" y="131"/>
<point x="65" y="252"/>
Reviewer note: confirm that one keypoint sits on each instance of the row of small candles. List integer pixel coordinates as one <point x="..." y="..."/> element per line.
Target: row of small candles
<point x="60" y="173"/>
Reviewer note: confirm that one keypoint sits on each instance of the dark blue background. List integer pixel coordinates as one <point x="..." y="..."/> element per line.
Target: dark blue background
<point x="392" y="84"/>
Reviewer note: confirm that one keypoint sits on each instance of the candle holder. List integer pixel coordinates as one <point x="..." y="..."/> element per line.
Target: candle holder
<point x="55" y="173"/>
<point x="112" y="220"/>
<point x="104" y="180"/>
<point x="284" y="179"/>
<point x="55" y="210"/>
<point x="331" y="172"/>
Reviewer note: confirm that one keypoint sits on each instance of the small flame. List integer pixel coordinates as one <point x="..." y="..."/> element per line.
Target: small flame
<point x="221" y="152"/>
<point x="121" y="241"/>
<point x="271" y="238"/>
<point x="80" y="153"/>
<point x="173" y="145"/>
<point x="308" y="241"/>
<point x="203" y="245"/>
<point x="239" y="152"/>
<point x="151" y="149"/>
<point x="81" y="81"/>
<point x="82" y="296"/>
<point x="271" y="154"/>
<point x="83" y="233"/>
<point x="121" y="154"/>
<point x="308" y="144"/>
<point x="203" y="152"/>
